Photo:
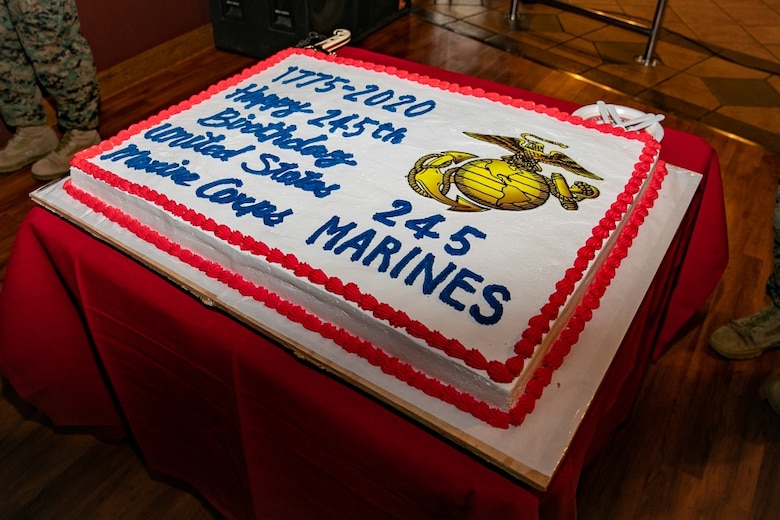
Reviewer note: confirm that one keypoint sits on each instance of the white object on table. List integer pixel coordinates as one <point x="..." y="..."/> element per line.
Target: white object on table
<point x="624" y="117"/>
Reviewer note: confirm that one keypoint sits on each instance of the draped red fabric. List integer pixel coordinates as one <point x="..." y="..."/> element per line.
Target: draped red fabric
<point x="94" y="339"/>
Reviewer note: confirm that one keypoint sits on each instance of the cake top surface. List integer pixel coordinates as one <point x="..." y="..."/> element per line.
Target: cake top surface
<point x="458" y="208"/>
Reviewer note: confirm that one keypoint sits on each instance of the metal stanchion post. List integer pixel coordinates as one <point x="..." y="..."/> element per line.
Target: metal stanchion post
<point x="621" y="21"/>
<point x="647" y="58"/>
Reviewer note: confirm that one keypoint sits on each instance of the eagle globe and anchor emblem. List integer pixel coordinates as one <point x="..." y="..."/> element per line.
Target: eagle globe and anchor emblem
<point x="513" y="182"/>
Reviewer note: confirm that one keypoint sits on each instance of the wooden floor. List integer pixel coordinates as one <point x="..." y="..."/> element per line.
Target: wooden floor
<point x="700" y="442"/>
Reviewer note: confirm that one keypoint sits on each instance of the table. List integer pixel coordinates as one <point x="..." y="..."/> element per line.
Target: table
<point x="93" y="338"/>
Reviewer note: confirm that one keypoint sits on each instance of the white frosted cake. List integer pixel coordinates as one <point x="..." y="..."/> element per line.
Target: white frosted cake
<point x="456" y="239"/>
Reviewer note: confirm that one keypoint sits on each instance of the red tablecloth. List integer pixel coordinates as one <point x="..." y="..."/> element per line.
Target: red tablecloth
<point x="92" y="338"/>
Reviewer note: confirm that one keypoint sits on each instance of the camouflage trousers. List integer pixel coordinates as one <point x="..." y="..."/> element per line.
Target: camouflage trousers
<point x="773" y="284"/>
<point x="41" y="44"/>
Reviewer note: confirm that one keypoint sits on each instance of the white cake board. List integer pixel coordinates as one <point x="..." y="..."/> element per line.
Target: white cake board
<point x="531" y="452"/>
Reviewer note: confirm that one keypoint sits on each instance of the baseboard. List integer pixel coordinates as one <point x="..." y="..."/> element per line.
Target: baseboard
<point x="129" y="72"/>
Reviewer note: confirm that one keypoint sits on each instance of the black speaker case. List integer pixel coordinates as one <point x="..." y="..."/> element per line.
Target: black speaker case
<point x="260" y="28"/>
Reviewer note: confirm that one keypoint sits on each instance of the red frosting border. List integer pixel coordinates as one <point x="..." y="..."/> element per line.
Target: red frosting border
<point x="496" y="370"/>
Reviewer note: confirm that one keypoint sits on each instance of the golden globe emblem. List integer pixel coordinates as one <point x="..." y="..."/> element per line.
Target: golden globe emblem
<point x="513" y="182"/>
<point x="498" y="184"/>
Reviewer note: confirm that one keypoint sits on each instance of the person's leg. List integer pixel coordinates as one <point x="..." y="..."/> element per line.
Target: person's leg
<point x="771" y="392"/>
<point x="50" y="34"/>
<point x="773" y="282"/>
<point x="749" y="337"/>
<point x="21" y="103"/>
<point x="771" y="387"/>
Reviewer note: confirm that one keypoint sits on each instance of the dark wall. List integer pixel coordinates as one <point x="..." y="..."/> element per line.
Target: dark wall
<point x="120" y="29"/>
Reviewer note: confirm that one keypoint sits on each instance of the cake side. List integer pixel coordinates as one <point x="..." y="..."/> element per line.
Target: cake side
<point x="533" y="385"/>
<point x="164" y="154"/>
<point x="229" y="255"/>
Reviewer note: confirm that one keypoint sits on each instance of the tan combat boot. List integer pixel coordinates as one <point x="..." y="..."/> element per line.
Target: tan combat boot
<point x="57" y="163"/>
<point x="748" y="337"/>
<point x="771" y="391"/>
<point x="26" y="146"/>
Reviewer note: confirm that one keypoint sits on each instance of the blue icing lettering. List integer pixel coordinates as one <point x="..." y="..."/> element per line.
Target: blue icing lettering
<point x="386" y="248"/>
<point x="408" y="257"/>
<point x="389" y="256"/>
<point x="253" y="97"/>
<point x="459" y="281"/>
<point x="224" y="191"/>
<point x="142" y="160"/>
<point x="333" y="229"/>
<point x="177" y="137"/>
<point x="489" y="293"/>
<point x="280" y="135"/>
<point x="430" y="281"/>
<point x="359" y="243"/>
<point x="288" y="174"/>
